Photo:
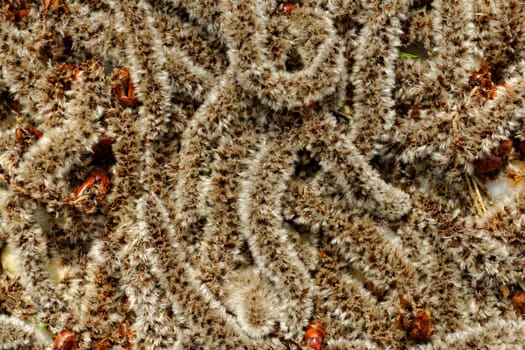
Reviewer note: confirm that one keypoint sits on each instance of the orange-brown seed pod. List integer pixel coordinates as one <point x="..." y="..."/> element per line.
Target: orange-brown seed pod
<point x="65" y="340"/>
<point x="95" y="175"/>
<point x="314" y="335"/>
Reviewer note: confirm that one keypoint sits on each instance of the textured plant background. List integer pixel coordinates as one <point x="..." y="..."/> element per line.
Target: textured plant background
<point x="242" y="203"/>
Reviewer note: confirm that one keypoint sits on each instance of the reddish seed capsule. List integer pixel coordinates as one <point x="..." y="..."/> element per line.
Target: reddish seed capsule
<point x="487" y="164"/>
<point x="65" y="340"/>
<point x="314" y="335"/>
<point x="288" y="6"/>
<point x="518" y="301"/>
<point x="104" y="344"/>
<point x="35" y="132"/>
<point x="414" y="320"/>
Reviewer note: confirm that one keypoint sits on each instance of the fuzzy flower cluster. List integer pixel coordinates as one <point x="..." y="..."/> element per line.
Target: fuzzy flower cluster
<point x="182" y="174"/>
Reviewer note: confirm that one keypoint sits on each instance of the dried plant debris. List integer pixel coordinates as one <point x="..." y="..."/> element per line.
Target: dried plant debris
<point x="262" y="174"/>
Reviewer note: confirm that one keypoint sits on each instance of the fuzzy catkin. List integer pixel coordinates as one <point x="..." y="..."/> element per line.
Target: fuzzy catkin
<point x="284" y="162"/>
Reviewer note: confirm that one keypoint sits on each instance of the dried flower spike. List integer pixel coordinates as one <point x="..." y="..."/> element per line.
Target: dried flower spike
<point x="65" y="340"/>
<point x="123" y="87"/>
<point x="314" y="335"/>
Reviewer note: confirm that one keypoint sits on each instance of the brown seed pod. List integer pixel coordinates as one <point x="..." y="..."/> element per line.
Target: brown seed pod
<point x="314" y="335"/>
<point x="65" y="340"/>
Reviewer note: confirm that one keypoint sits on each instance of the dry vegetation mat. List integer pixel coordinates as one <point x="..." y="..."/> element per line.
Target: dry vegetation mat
<point x="252" y="174"/>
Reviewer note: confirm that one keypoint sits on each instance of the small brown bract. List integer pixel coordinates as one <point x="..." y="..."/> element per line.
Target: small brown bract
<point x="123" y="87"/>
<point x="414" y="320"/>
<point x="54" y="5"/>
<point x="26" y="135"/>
<point x="288" y="6"/>
<point x="65" y="340"/>
<point x="95" y="175"/>
<point x="16" y="11"/>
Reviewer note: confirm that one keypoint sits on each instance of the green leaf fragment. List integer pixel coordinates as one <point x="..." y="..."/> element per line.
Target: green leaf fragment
<point x="407" y="55"/>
